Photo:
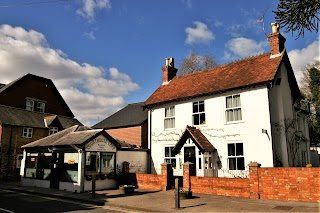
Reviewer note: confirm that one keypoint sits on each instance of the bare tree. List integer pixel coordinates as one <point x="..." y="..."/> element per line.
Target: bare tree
<point x="195" y="62"/>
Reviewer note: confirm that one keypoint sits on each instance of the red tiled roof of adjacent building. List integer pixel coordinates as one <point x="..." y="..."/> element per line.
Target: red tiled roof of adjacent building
<point x="243" y="73"/>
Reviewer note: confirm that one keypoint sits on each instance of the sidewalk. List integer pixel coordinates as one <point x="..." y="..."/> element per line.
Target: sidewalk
<point x="163" y="201"/>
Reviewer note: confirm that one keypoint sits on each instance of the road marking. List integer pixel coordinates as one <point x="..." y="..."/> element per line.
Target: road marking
<point x="6" y="210"/>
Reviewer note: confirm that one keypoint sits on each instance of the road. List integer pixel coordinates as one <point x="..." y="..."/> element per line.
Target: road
<point x="16" y="202"/>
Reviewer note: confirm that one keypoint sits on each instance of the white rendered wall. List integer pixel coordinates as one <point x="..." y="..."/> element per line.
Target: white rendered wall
<point x="255" y="113"/>
<point x="138" y="160"/>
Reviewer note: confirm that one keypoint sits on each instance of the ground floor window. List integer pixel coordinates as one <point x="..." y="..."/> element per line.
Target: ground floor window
<point x="100" y="162"/>
<point x="235" y="156"/>
<point x="38" y="165"/>
<point x="69" y="167"/>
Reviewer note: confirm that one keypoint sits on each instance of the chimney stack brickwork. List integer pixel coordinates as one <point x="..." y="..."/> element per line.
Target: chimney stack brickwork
<point x="276" y="40"/>
<point x="169" y="71"/>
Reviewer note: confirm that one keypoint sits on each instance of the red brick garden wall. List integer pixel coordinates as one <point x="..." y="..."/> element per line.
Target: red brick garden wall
<point x="238" y="187"/>
<point x="149" y="181"/>
<point x="297" y="184"/>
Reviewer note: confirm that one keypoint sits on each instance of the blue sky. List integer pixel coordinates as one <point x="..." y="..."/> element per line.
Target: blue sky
<point x="104" y="54"/>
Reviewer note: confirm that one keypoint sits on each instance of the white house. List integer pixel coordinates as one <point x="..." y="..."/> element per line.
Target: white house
<point x="224" y="118"/>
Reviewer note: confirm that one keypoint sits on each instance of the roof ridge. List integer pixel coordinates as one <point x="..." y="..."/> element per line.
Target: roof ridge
<point x="223" y="65"/>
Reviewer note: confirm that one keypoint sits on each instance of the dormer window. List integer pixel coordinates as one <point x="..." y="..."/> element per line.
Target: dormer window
<point x="41" y="106"/>
<point x="30" y="105"/>
<point x="53" y="130"/>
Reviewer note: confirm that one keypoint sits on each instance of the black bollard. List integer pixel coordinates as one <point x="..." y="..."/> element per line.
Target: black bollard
<point x="177" y="193"/>
<point x="93" y="185"/>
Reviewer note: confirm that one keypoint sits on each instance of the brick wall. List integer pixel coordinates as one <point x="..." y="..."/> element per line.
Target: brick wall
<point x="238" y="187"/>
<point x="297" y="184"/>
<point x="149" y="181"/>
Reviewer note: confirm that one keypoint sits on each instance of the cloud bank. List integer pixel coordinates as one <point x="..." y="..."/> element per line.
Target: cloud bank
<point x="90" y="91"/>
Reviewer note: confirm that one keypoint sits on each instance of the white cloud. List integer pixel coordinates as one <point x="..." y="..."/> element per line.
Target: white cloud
<point x="90" y="8"/>
<point x="299" y="58"/>
<point x="84" y="87"/>
<point x="199" y="34"/>
<point x="90" y="35"/>
<point x="188" y="3"/>
<point x="243" y="47"/>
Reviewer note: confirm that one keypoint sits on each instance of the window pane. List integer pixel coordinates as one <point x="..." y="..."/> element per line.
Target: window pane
<point x="232" y="163"/>
<point x="107" y="162"/>
<point x="231" y="150"/>
<point x="92" y="162"/>
<point x="229" y="115"/>
<point x="167" y="152"/>
<point x="202" y="118"/>
<point x="196" y="119"/>
<point x="236" y="101"/>
<point x="195" y="107"/>
<point x="237" y="114"/>
<point x="201" y="106"/>
<point x="200" y="163"/>
<point x="228" y="101"/>
<point x="173" y="163"/>
<point x="239" y="149"/>
<point x="240" y="163"/>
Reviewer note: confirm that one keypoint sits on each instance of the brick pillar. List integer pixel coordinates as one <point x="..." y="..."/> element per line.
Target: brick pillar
<point x="188" y="171"/>
<point x="167" y="176"/>
<point x="254" y="180"/>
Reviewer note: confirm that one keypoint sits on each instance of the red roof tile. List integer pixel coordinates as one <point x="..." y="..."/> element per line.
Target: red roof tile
<point x="247" y="72"/>
<point x="197" y="137"/>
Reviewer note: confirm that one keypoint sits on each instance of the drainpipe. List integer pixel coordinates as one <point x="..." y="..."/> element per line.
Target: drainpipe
<point x="150" y="137"/>
<point x="9" y="154"/>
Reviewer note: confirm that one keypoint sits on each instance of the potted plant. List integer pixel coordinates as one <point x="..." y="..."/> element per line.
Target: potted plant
<point x="185" y="194"/>
<point x="127" y="189"/>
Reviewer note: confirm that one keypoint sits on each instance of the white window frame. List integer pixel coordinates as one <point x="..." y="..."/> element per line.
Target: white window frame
<point x="27" y="132"/>
<point x="169" y="117"/>
<point x="30" y="105"/>
<point x="53" y="130"/>
<point x="169" y="158"/>
<point x="198" y="113"/>
<point x="41" y="106"/>
<point x="235" y="156"/>
<point x="233" y="109"/>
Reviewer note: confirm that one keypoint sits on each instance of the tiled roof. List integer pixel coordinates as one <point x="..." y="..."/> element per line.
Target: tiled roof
<point x="21" y="117"/>
<point x="239" y="74"/>
<point x="197" y="137"/>
<point x="74" y="135"/>
<point x="131" y="115"/>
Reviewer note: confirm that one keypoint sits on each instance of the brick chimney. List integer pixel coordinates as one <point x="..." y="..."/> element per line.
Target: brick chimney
<point x="276" y="40"/>
<point x="169" y="71"/>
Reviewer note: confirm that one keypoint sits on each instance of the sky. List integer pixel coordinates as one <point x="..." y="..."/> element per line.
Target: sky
<point x="105" y="54"/>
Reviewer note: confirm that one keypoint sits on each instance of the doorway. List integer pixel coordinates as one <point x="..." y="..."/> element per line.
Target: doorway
<point x="190" y="155"/>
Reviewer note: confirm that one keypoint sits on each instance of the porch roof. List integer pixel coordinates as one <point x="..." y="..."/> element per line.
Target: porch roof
<point x="197" y="137"/>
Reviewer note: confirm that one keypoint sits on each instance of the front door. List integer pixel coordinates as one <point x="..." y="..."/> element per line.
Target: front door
<point x="190" y="155"/>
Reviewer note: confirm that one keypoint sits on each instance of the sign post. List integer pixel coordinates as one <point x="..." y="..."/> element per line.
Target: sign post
<point x="177" y="194"/>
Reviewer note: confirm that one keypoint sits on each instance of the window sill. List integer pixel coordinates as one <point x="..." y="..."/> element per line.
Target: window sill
<point x="170" y="129"/>
<point x="234" y="122"/>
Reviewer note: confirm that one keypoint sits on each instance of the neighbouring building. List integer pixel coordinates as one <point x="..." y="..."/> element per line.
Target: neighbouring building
<point x="226" y="117"/>
<point x="31" y="108"/>
<point x="68" y="159"/>
<point x="129" y="124"/>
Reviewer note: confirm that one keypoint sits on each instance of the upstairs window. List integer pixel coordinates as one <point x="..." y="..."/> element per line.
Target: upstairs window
<point x="235" y="156"/>
<point x="53" y="130"/>
<point x="233" y="108"/>
<point x="199" y="116"/>
<point x="169" y="119"/>
<point x="29" y="105"/>
<point x="41" y="106"/>
<point x="27" y="132"/>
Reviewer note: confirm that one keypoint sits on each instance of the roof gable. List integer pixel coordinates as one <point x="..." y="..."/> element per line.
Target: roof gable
<point x="197" y="137"/>
<point x="34" y="87"/>
<point x="239" y="74"/>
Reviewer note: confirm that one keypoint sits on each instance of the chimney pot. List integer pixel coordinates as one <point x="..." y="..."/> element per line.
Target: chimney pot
<point x="275" y="27"/>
